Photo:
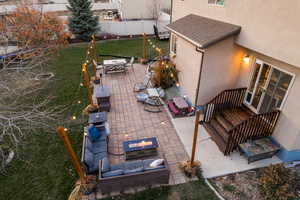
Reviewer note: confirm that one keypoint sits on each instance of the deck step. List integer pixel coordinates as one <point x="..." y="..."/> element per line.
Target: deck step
<point x="235" y="116"/>
<point x="220" y="130"/>
<point x="215" y="136"/>
<point x="223" y="122"/>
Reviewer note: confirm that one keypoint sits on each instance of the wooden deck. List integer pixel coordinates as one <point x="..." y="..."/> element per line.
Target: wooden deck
<point x="230" y="123"/>
<point x="223" y="122"/>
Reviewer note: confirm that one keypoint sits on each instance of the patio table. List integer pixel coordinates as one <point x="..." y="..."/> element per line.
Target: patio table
<point x="114" y="65"/>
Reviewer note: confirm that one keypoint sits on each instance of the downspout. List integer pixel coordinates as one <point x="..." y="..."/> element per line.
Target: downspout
<point x="200" y="74"/>
<point x="171" y="14"/>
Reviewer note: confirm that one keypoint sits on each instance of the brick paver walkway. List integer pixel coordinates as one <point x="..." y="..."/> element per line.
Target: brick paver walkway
<point x="128" y="121"/>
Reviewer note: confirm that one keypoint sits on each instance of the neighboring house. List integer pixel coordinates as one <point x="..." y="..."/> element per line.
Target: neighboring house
<point x="116" y="17"/>
<point x="142" y="9"/>
<point x="218" y="45"/>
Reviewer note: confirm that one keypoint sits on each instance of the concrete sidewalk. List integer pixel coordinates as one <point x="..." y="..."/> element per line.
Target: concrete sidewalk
<point x="213" y="162"/>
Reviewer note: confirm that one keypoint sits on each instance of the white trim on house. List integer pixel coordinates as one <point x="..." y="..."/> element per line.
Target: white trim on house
<point x="259" y="61"/>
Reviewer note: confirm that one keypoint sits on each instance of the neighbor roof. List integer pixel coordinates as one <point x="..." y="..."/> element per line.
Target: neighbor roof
<point x="203" y="31"/>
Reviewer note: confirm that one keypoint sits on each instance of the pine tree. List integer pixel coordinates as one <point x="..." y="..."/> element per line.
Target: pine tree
<point x="82" y="23"/>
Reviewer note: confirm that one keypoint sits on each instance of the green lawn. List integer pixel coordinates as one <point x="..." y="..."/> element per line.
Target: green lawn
<point x="43" y="170"/>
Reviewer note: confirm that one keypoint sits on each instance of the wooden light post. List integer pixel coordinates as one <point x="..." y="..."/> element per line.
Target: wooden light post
<point x="145" y="45"/>
<point x="195" y="137"/>
<point x="87" y="83"/>
<point x="62" y="132"/>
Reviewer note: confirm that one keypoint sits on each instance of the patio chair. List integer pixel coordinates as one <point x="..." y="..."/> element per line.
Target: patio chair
<point x="130" y="64"/>
<point x="138" y="87"/>
<point x="98" y="67"/>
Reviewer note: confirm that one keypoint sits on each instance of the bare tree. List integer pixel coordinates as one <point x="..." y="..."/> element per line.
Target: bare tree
<point x="38" y="36"/>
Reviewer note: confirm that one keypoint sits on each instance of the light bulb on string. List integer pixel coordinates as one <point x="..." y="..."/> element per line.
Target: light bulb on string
<point x="172" y="75"/>
<point x="81" y="84"/>
<point x="79" y="102"/>
<point x="74" y="117"/>
<point x="177" y="84"/>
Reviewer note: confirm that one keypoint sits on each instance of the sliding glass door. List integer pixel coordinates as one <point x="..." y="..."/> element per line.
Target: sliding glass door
<point x="268" y="87"/>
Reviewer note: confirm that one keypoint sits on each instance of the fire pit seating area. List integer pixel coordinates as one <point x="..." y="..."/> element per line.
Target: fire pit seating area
<point x="132" y="174"/>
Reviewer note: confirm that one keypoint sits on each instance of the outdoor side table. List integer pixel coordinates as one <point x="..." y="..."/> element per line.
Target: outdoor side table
<point x="97" y="118"/>
<point x="102" y="95"/>
<point x="259" y="149"/>
<point x="146" y="147"/>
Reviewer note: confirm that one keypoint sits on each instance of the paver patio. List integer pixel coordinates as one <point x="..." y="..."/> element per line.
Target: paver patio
<point x="129" y="121"/>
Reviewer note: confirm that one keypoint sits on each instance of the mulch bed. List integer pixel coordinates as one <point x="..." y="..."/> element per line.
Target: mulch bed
<point x="241" y="186"/>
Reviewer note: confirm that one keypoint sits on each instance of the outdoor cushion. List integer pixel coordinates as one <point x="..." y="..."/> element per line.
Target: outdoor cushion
<point x="88" y="158"/>
<point x="132" y="171"/>
<point x="117" y="166"/>
<point x="173" y="108"/>
<point x="105" y="165"/>
<point x="141" y="97"/>
<point x="156" y="163"/>
<point x="147" y="163"/>
<point x="94" y="133"/>
<point x="99" y="146"/>
<point x="99" y="156"/>
<point x="133" y="165"/>
<point x="88" y="143"/>
<point x="113" y="173"/>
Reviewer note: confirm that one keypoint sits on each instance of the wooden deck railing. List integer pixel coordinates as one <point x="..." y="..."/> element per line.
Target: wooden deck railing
<point x="256" y="126"/>
<point x="228" y="99"/>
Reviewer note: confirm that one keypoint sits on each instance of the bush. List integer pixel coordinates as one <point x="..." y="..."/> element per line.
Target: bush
<point x="278" y="183"/>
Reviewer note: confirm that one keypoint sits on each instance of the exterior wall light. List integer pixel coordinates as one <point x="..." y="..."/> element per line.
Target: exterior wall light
<point x="246" y="59"/>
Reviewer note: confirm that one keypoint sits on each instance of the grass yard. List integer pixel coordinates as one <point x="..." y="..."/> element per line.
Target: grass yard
<point x="42" y="170"/>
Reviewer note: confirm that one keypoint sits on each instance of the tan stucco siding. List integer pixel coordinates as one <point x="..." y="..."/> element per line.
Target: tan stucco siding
<point x="188" y="62"/>
<point x="221" y="66"/>
<point x="287" y="131"/>
<point x="269" y="27"/>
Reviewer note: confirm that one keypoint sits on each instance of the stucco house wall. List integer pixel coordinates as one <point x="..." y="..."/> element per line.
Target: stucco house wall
<point x="188" y="62"/>
<point x="220" y="71"/>
<point x="268" y="27"/>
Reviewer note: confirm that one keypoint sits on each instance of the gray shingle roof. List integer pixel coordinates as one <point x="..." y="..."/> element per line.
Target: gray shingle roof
<point x="203" y="31"/>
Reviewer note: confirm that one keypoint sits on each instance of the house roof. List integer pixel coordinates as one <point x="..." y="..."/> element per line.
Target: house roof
<point x="203" y="31"/>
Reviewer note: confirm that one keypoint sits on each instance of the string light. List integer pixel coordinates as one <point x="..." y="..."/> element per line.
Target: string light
<point x="81" y="84"/>
<point x="149" y="40"/>
<point x="65" y="129"/>
<point x="88" y="53"/>
<point x="153" y="46"/>
<point x="177" y="84"/>
<point x="167" y="66"/>
<point x="79" y="102"/>
<point x="73" y="117"/>
<point x="172" y="75"/>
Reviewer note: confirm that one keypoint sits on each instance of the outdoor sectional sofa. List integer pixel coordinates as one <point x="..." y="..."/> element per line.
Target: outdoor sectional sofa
<point x="131" y="174"/>
<point x="94" y="151"/>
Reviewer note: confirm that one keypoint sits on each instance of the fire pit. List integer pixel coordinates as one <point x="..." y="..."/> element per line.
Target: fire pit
<point x="134" y="149"/>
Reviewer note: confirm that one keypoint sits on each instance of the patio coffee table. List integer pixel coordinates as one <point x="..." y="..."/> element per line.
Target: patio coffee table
<point x="134" y="149"/>
<point x="259" y="149"/>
